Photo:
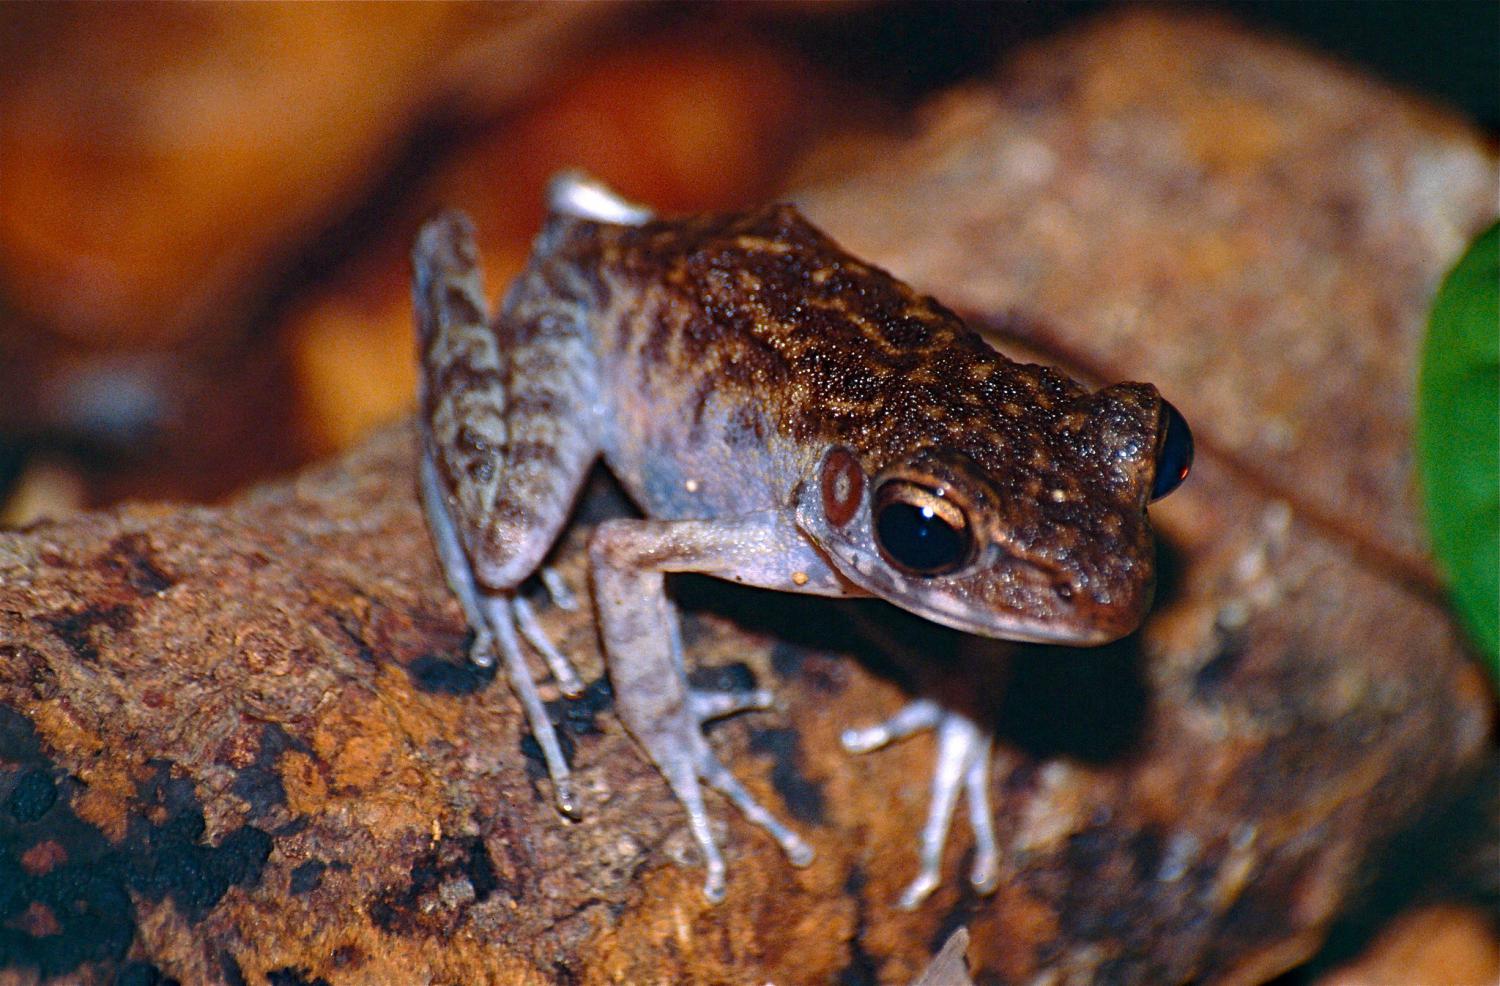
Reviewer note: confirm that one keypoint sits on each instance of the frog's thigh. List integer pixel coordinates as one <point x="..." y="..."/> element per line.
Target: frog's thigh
<point x="636" y="620"/>
<point x="508" y="422"/>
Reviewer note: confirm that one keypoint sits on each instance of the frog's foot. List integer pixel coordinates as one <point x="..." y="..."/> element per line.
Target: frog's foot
<point x="503" y="614"/>
<point x="963" y="760"/>
<point x="705" y="705"/>
<point x="500" y="620"/>
<point x="687" y="763"/>
<point x="680" y="750"/>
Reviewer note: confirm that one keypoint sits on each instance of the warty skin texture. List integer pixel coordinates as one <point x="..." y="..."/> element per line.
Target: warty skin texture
<point x="734" y="350"/>
<point x="766" y="399"/>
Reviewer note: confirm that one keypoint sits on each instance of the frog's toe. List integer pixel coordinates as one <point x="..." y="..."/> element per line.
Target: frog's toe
<point x="567" y="679"/>
<point x="912" y="717"/>
<point x="557" y="589"/>
<point x="710" y="704"/>
<point x="482" y="648"/>
<point x="715" y="884"/>
<point x="718" y="777"/>
<point x="985" y="875"/>
<point x="503" y="617"/>
<point x="919" y="889"/>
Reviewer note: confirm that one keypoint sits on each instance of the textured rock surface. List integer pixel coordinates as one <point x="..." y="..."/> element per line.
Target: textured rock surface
<point x="236" y="744"/>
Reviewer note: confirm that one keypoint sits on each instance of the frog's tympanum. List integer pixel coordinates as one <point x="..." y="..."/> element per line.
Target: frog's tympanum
<point x="785" y="416"/>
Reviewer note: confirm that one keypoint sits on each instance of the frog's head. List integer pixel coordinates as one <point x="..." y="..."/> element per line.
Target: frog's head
<point x="1051" y="546"/>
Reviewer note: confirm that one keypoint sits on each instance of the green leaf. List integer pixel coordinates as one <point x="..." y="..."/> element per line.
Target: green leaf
<point x="1458" y="437"/>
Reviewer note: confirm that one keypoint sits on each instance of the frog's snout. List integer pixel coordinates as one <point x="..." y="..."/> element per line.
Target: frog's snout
<point x="1038" y="603"/>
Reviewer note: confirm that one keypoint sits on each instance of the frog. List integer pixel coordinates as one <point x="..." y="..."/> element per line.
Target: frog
<point x="784" y="416"/>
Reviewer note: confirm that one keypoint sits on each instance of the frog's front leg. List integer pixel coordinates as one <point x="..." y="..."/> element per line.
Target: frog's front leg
<point x="508" y="434"/>
<point x="639" y="628"/>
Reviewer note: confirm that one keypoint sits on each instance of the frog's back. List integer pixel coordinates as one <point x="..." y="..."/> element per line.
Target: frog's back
<point x="736" y="347"/>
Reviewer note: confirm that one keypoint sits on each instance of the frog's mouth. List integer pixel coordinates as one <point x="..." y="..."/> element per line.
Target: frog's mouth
<point x="1024" y="627"/>
<point x="1009" y="599"/>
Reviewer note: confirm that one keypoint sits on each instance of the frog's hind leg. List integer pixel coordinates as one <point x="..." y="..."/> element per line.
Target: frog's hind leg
<point x="508" y="434"/>
<point x="494" y="618"/>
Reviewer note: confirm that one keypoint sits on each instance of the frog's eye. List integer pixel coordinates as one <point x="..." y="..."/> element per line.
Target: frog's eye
<point x="1174" y="453"/>
<point x="919" y="530"/>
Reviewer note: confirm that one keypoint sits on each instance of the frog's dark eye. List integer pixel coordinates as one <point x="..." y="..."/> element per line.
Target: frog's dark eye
<point x="1174" y="454"/>
<point x="919" y="530"/>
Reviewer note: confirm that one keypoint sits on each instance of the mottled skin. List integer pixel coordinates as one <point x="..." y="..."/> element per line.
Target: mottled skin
<point x="762" y="396"/>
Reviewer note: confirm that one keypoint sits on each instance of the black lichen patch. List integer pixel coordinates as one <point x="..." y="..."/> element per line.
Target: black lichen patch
<point x="292" y="976"/>
<point x="803" y="797"/>
<point x="535" y="761"/>
<point x="573" y="717"/>
<point x="78" y="628"/>
<point x="19" y="743"/>
<point x="438" y="675"/>
<point x="142" y="974"/>
<point x="861" y="969"/>
<point x="63" y="902"/>
<point x="445" y="882"/>
<point x="580" y="716"/>
<point x="170" y="860"/>
<point x="32" y="797"/>
<point x="66" y="891"/>
<point x="230" y="967"/>
<point x="734" y="676"/>
<point x="132" y="573"/>
<point x="259" y="783"/>
<point x="307" y="876"/>
<point x="130" y="559"/>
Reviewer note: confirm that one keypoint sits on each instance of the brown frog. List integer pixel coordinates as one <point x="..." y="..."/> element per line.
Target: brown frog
<point x="787" y="417"/>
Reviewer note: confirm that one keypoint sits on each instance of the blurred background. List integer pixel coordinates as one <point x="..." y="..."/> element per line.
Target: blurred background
<point x="205" y="209"/>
